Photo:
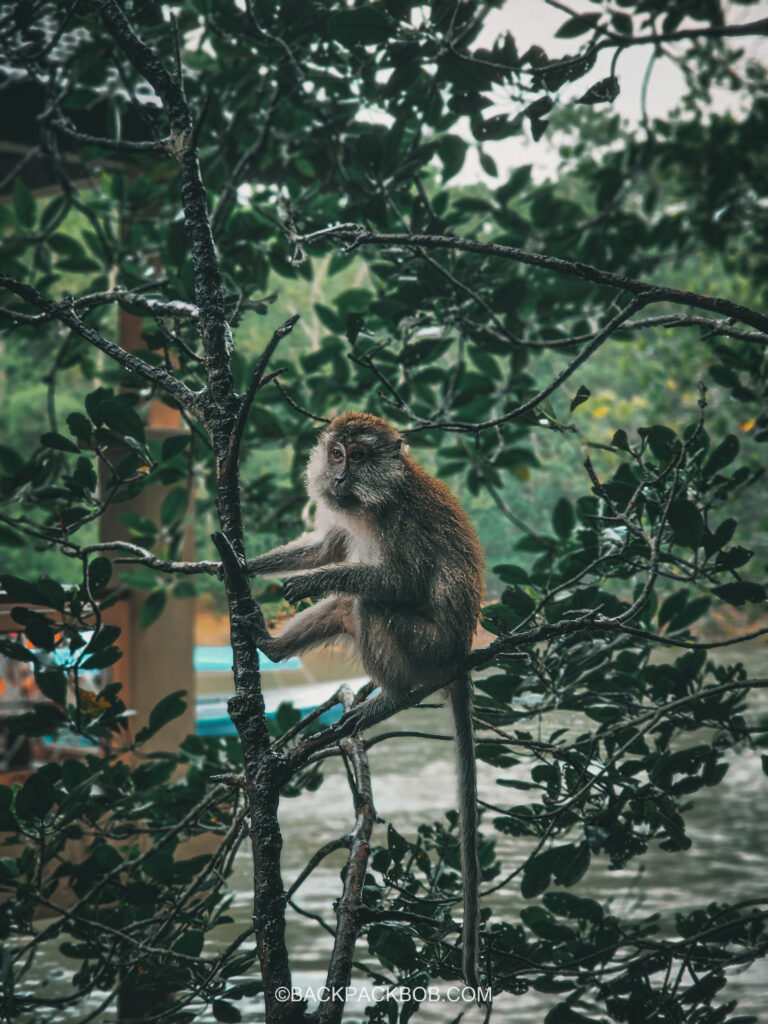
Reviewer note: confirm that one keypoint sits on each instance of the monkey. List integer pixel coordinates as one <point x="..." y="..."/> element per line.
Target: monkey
<point x="399" y="568"/>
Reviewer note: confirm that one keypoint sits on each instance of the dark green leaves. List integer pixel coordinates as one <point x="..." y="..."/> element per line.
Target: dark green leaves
<point x="577" y="26"/>
<point x="152" y="608"/>
<point x="226" y="1012"/>
<point x="741" y="592"/>
<point x="59" y="442"/>
<point x="170" y="707"/>
<point x="99" y="575"/>
<point x="121" y="418"/>
<point x="604" y="91"/>
<point x="563" y="518"/>
<point x="360" y="25"/>
<point x="580" y="397"/>
<point x="686" y="522"/>
<point x="174" y="504"/>
<point x="722" y="456"/>
<point x="393" y="944"/>
<point x="23" y="203"/>
<point x="566" y="864"/>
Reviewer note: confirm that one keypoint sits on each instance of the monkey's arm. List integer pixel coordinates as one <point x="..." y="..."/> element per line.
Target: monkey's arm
<point x="309" y="551"/>
<point x="372" y="581"/>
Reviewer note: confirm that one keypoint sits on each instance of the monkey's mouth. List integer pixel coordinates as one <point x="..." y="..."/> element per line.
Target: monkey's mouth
<point x="341" y="491"/>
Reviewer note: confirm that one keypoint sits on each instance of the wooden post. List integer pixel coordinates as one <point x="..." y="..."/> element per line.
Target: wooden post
<point x="157" y="660"/>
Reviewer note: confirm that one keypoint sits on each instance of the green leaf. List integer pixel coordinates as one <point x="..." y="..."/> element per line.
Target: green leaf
<point x="190" y="943"/>
<point x="734" y="557"/>
<point x="10" y="538"/>
<point x="581" y="396"/>
<point x="511" y="574"/>
<point x="741" y="592"/>
<point x="563" y="518"/>
<point x="37" y="795"/>
<point x="393" y="943"/>
<point x="53" y="685"/>
<point x="519" y="601"/>
<point x="571" y="863"/>
<point x="604" y="91"/>
<point x="577" y="26"/>
<point x="99" y="575"/>
<point x="174" y="445"/>
<point x="692" y="612"/>
<point x="23" y="203"/>
<point x="544" y="925"/>
<point x="452" y="151"/>
<point x="140" y="526"/>
<point x="121" y="418"/>
<point x="104" y="638"/>
<point x="566" y="904"/>
<point x="170" y="707"/>
<point x="360" y="25"/>
<point x="174" y="504"/>
<point x="152" y="608"/>
<point x="21" y="590"/>
<point x="59" y="442"/>
<point x="226" y="1012"/>
<point x="662" y="441"/>
<point x="686" y="522"/>
<point x="537" y="875"/>
<point x="79" y="426"/>
<point x="724" y="454"/>
<point x="102" y="659"/>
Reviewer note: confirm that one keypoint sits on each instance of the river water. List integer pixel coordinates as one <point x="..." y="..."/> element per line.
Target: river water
<point x="413" y="781"/>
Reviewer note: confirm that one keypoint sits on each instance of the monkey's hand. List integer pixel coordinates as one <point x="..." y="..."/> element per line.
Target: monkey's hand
<point x="309" y="584"/>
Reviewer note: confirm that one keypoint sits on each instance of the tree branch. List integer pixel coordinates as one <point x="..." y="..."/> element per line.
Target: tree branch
<point x="156" y="376"/>
<point x="349" y="907"/>
<point x="354" y="235"/>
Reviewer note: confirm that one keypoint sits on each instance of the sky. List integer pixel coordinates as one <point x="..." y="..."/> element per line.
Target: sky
<point x="536" y="21"/>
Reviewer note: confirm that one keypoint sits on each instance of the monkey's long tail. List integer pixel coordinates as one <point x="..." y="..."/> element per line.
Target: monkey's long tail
<point x="461" y="703"/>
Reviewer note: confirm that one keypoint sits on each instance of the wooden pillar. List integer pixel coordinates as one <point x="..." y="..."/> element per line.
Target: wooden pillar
<point x="156" y="660"/>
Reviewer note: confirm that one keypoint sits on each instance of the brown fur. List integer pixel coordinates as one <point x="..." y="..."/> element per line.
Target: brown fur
<point x="402" y="568"/>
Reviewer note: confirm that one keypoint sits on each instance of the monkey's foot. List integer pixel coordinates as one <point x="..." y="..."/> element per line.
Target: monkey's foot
<point x="367" y="713"/>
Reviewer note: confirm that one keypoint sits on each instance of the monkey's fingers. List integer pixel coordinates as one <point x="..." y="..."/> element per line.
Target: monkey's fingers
<point x="296" y="588"/>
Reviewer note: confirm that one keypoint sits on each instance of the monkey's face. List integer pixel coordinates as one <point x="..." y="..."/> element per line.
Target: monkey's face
<point x="358" y="464"/>
<point x="347" y="466"/>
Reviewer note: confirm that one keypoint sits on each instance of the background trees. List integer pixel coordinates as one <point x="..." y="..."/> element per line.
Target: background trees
<point x="581" y="353"/>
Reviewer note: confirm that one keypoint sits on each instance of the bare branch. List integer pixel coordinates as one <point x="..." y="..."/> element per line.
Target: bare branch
<point x="355" y="235"/>
<point x="146" y="304"/>
<point x="155" y="375"/>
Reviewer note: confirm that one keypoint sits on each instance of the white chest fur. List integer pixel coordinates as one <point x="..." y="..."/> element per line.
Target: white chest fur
<point x="362" y="545"/>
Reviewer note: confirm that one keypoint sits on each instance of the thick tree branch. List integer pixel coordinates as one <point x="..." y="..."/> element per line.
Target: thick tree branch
<point x="172" y="308"/>
<point x="354" y="235"/>
<point x="155" y="375"/>
<point x="209" y="291"/>
<point x="258" y="380"/>
<point x="349" y="907"/>
<point x="116" y="145"/>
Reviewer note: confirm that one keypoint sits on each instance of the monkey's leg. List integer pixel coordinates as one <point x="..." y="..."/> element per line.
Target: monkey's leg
<point x="330" y="618"/>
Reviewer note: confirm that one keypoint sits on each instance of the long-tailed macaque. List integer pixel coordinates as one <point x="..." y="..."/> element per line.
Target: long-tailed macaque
<point x="399" y="568"/>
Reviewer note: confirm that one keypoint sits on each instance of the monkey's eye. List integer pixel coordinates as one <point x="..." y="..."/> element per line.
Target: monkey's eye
<point x="357" y="455"/>
<point x="337" y="453"/>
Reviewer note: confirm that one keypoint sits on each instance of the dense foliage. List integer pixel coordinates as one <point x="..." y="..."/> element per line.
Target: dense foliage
<point x="490" y="323"/>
